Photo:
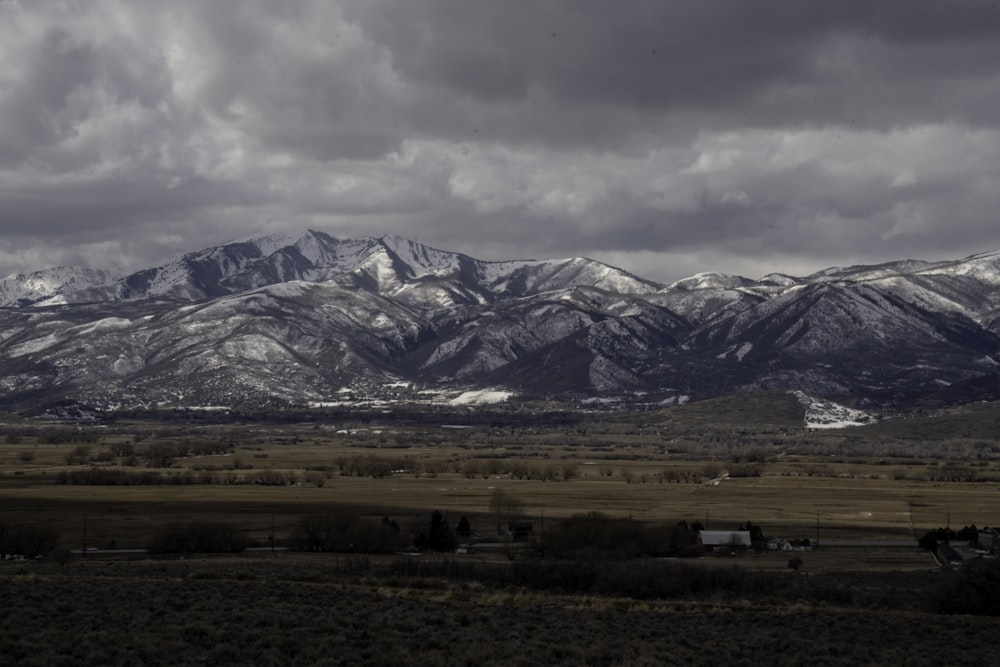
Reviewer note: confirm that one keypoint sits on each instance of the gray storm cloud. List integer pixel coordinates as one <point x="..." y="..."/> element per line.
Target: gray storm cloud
<point x="664" y="137"/>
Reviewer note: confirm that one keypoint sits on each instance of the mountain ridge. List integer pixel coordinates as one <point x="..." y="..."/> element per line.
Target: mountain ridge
<point x="303" y="317"/>
<point x="383" y="263"/>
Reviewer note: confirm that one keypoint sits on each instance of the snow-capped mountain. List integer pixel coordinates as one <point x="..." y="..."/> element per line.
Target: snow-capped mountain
<point x="390" y="265"/>
<point x="24" y="289"/>
<point x="300" y="318"/>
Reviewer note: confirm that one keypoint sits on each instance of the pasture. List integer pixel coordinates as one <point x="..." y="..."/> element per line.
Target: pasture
<point x="652" y="467"/>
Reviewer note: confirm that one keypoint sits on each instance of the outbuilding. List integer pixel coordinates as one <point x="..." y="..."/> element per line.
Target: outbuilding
<point x="720" y="540"/>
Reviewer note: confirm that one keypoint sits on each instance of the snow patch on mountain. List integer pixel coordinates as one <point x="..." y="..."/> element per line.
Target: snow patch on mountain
<point x="821" y="413"/>
<point x="421" y="260"/>
<point x="270" y="243"/>
<point x="984" y="267"/>
<point x="491" y="272"/>
<point x="124" y="365"/>
<point x="48" y="284"/>
<point x="36" y="345"/>
<point x="102" y="325"/>
<point x="681" y="399"/>
<point x="739" y="351"/>
<point x="255" y="347"/>
<point x="709" y="280"/>
<point x="481" y="397"/>
<point x="173" y="278"/>
<point x="780" y="279"/>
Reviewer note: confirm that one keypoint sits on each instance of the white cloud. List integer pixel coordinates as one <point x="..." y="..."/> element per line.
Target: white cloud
<point x="131" y="132"/>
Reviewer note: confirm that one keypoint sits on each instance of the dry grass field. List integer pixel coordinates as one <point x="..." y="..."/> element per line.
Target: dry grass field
<point x="650" y="467"/>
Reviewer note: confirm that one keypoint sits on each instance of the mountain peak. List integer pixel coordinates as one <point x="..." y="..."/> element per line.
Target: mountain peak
<point x="419" y="260"/>
<point x="709" y="280"/>
<point x="297" y="317"/>
<point x="275" y="241"/>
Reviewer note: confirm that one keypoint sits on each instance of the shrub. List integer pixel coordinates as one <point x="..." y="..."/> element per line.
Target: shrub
<point x="440" y="537"/>
<point x="122" y="449"/>
<point x="595" y="532"/>
<point x="345" y="533"/>
<point x="745" y="470"/>
<point x="118" y="477"/>
<point x="78" y="455"/>
<point x="973" y="589"/>
<point x="27" y="539"/>
<point x="198" y="537"/>
<point x="658" y="579"/>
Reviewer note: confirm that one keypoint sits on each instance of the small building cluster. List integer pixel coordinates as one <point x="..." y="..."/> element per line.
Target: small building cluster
<point x="989" y="541"/>
<point x="781" y="544"/>
<point x="752" y="537"/>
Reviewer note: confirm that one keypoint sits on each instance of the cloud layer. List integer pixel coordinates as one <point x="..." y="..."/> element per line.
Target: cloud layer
<point x="665" y="137"/>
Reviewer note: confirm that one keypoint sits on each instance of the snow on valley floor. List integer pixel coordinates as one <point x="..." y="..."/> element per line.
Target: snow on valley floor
<point x="821" y="413"/>
<point x="359" y="397"/>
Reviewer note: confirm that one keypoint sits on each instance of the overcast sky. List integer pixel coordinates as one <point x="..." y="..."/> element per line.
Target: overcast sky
<point x="664" y="137"/>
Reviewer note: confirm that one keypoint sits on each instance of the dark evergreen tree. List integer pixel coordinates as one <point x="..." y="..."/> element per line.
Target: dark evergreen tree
<point x="928" y="541"/>
<point x="464" y="529"/>
<point x="440" y="537"/>
<point x="421" y="542"/>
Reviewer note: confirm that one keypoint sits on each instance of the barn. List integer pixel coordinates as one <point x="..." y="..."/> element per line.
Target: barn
<point x="720" y="540"/>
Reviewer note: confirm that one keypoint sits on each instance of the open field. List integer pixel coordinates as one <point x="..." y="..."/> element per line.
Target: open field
<point x="865" y="597"/>
<point x="670" y="466"/>
<point x="785" y="507"/>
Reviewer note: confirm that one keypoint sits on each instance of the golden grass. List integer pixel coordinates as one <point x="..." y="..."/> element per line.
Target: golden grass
<point x="787" y="506"/>
<point x="842" y="497"/>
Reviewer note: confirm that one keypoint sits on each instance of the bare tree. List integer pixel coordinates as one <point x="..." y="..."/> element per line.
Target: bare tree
<point x="506" y="507"/>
